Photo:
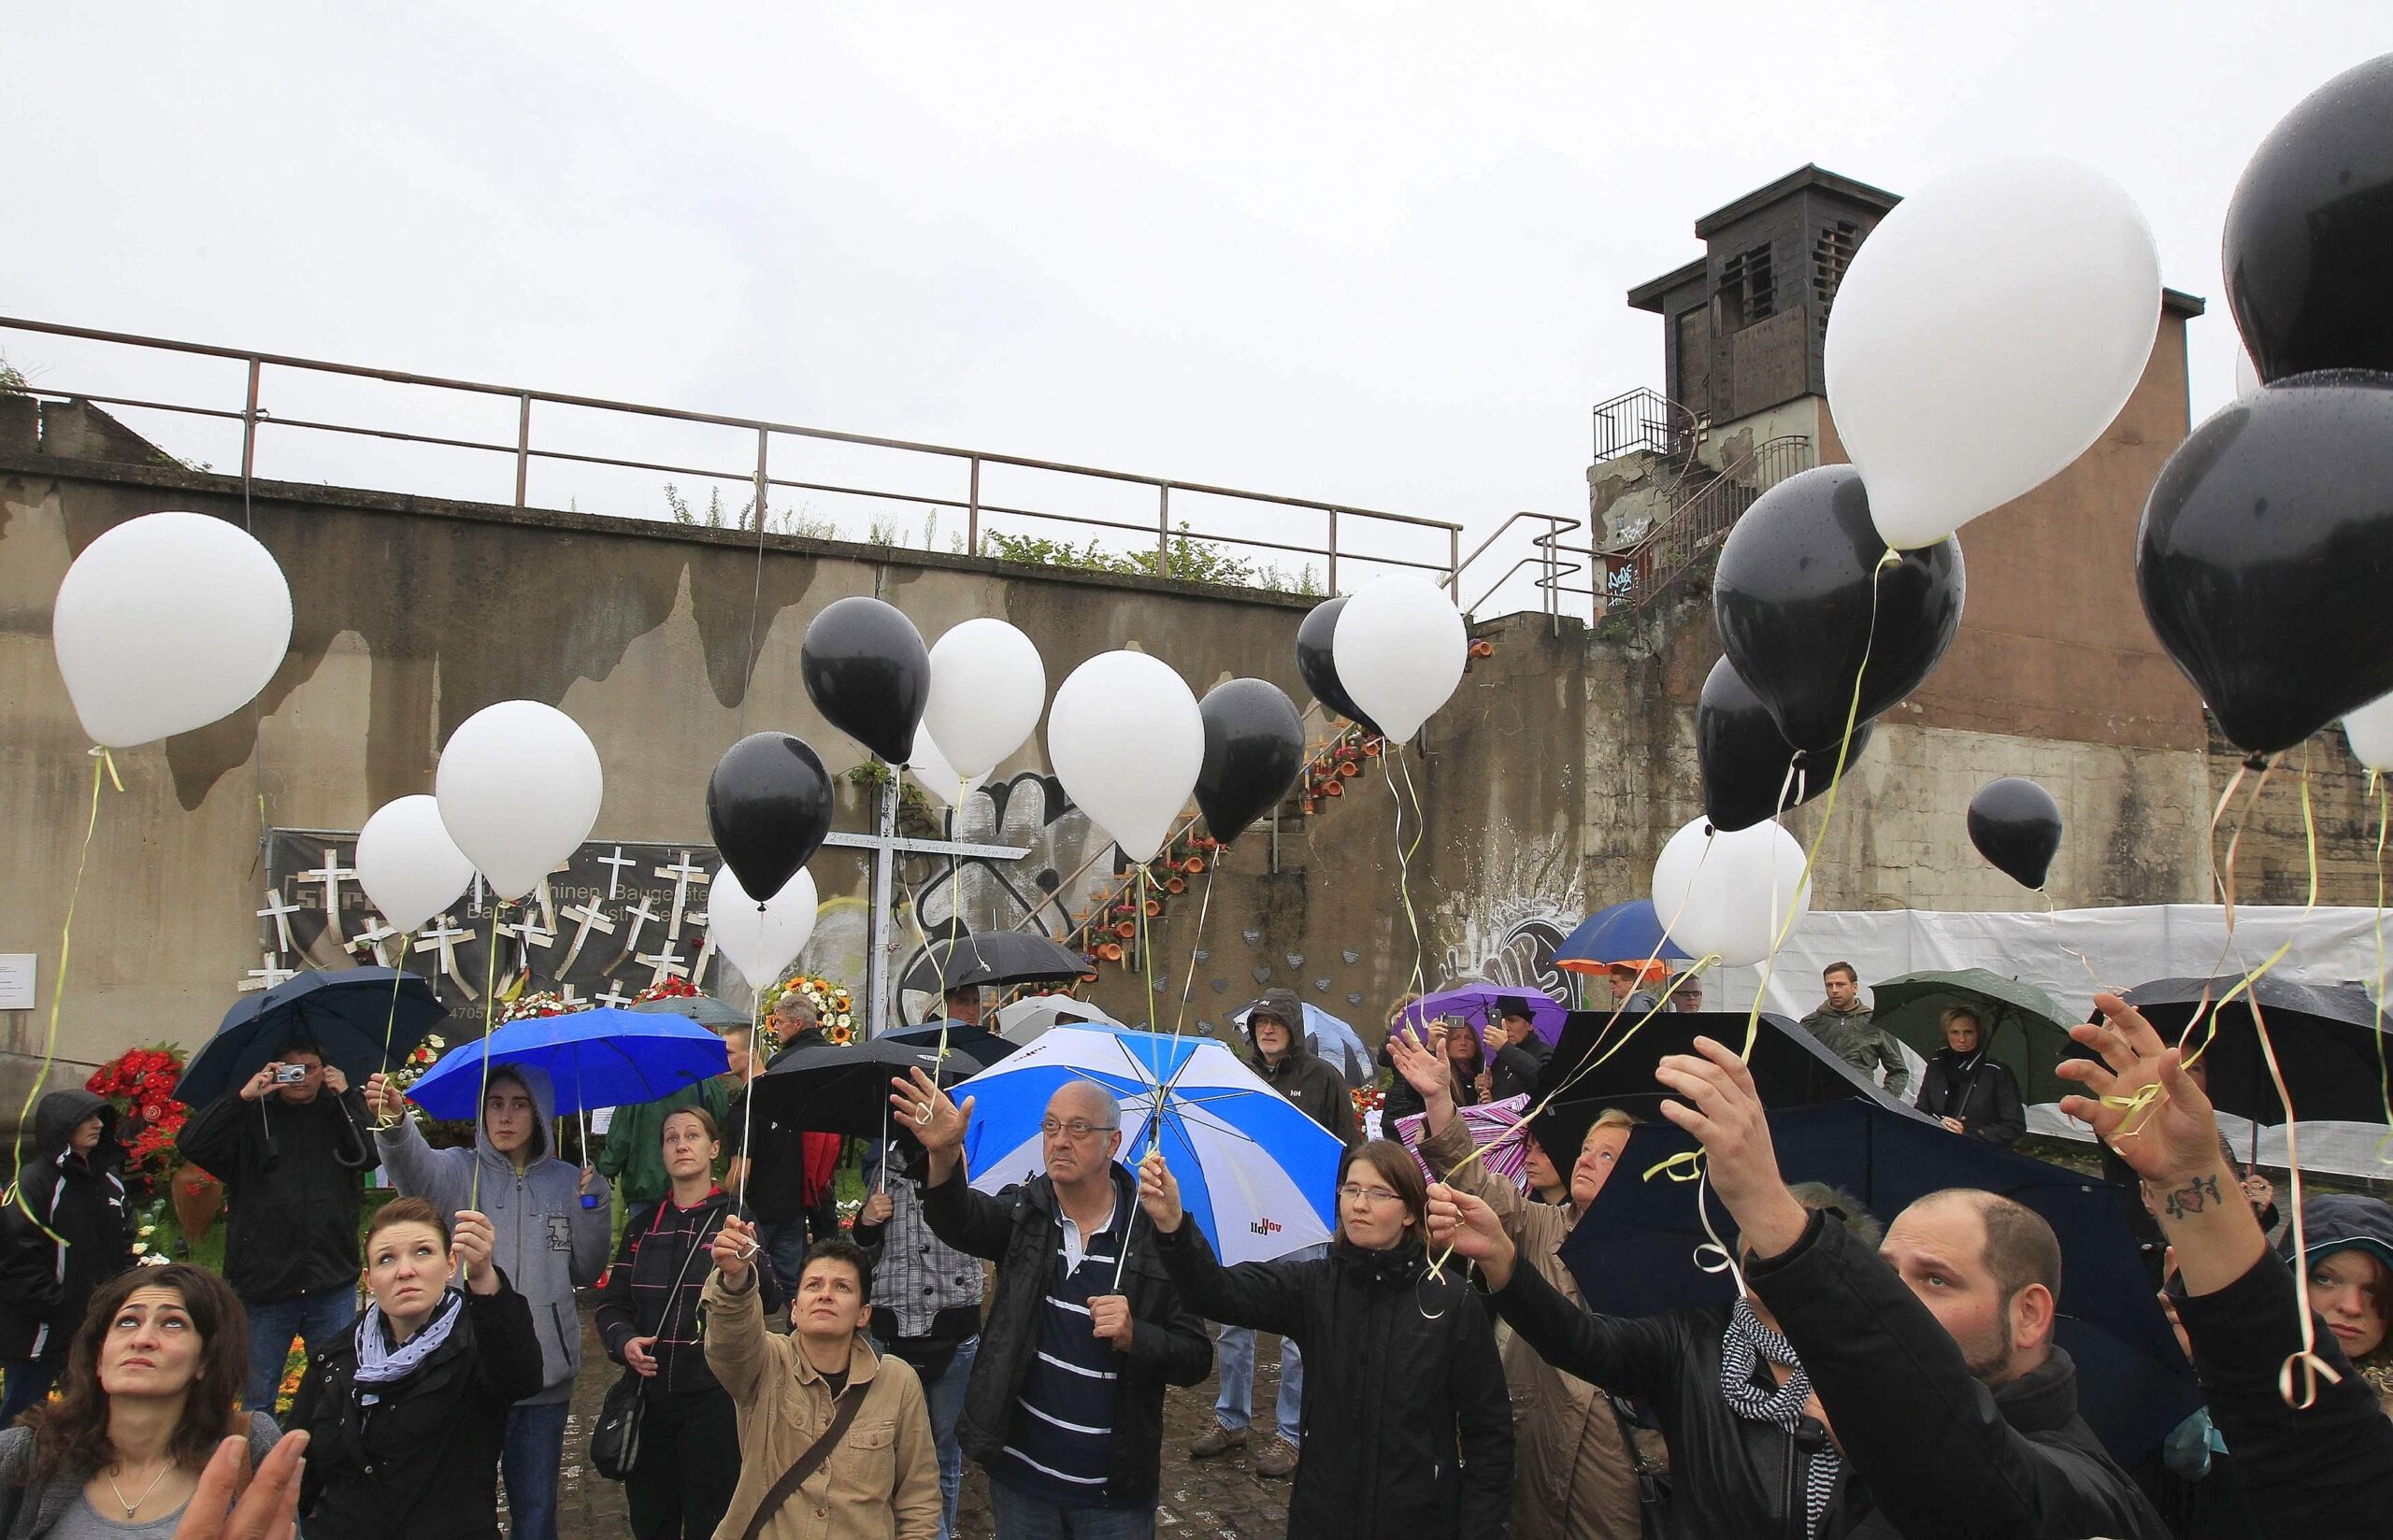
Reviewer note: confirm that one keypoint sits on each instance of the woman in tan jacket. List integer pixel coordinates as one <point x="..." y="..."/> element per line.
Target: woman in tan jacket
<point x="1574" y="1476"/>
<point x="880" y="1481"/>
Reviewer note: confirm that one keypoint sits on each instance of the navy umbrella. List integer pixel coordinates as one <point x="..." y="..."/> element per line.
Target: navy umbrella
<point x="1634" y="1253"/>
<point x="362" y="1025"/>
<point x="979" y="1044"/>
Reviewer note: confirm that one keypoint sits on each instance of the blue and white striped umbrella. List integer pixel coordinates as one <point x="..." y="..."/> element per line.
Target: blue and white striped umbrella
<point x="1254" y="1172"/>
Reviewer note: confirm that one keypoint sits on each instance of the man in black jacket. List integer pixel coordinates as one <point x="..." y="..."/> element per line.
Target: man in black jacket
<point x="292" y="1160"/>
<point x="65" y="1232"/>
<point x="1952" y="1412"/>
<point x="1064" y="1406"/>
<point x="1275" y="1032"/>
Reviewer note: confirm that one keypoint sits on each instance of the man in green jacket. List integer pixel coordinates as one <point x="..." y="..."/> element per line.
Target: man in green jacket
<point x="1842" y="1022"/>
<point x="633" y="1156"/>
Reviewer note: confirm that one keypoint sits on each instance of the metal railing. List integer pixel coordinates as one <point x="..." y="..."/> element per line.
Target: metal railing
<point x="1643" y="420"/>
<point x="1635" y="578"/>
<point x="1551" y="560"/>
<point x="1342" y="523"/>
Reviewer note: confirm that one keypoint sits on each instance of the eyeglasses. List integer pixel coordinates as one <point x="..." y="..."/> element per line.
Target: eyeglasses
<point x="1358" y="1193"/>
<point x="1079" y="1128"/>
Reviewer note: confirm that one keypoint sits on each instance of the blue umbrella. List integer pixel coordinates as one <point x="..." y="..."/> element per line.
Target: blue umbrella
<point x="1624" y="933"/>
<point x="353" y="1013"/>
<point x="1332" y="1040"/>
<point x="595" y="1058"/>
<point x="1634" y="1252"/>
<point x="1254" y="1172"/>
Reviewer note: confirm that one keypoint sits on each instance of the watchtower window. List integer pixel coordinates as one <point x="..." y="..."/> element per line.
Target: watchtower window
<point x="1746" y="293"/>
<point x="1830" y="256"/>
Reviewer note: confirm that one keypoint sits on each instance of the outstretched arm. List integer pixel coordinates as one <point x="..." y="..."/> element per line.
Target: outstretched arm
<point x="1268" y="1296"/>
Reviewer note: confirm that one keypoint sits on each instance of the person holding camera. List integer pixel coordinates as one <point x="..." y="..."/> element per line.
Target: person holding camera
<point x="291" y="1147"/>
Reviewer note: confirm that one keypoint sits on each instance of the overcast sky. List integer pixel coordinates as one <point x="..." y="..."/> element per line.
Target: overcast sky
<point x="1365" y="253"/>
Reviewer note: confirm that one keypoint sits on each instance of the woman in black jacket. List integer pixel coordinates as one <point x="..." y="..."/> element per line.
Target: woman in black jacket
<point x="1969" y="1089"/>
<point x="648" y="1317"/>
<point x="1408" y="1427"/>
<point x="66" y="1232"/>
<point x="406" y="1411"/>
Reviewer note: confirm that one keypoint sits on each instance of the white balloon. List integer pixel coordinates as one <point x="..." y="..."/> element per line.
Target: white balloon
<point x="760" y="943"/>
<point x="1401" y="646"/>
<point x="2247" y="376"/>
<point x="2370" y="730"/>
<point x="934" y="775"/>
<point x="407" y="864"/>
<point x="1989" y="332"/>
<point x="518" y="786"/>
<point x="987" y="687"/>
<point x="1127" y="741"/>
<point x="1729" y="894"/>
<point x="166" y="623"/>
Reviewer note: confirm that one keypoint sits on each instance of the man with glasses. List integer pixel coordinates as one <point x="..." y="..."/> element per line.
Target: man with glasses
<point x="292" y="1159"/>
<point x="1688" y="993"/>
<point x="1275" y="1031"/>
<point x="1065" y="1406"/>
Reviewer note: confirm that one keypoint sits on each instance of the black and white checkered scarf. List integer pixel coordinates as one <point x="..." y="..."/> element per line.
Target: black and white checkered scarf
<point x="1743" y="1347"/>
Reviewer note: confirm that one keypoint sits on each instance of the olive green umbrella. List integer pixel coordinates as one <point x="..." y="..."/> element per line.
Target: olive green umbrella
<point x="2024" y="1027"/>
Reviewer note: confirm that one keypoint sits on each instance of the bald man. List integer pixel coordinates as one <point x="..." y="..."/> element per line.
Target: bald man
<point x="1064" y="1406"/>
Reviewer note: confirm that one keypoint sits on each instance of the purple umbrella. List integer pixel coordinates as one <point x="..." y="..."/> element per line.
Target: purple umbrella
<point x="1482" y="1004"/>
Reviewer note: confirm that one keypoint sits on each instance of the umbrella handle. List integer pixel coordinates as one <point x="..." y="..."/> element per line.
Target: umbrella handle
<point x="589" y="1200"/>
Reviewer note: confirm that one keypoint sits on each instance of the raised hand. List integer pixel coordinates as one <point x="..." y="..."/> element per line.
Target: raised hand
<point x="335" y="1080"/>
<point x="471" y="1239"/>
<point x="916" y="1101"/>
<point x="384" y="1099"/>
<point x="258" y="1085"/>
<point x="1159" y="1193"/>
<point x="733" y="1244"/>
<point x="268" y="1508"/>
<point x="876" y="1209"/>
<point x="1422" y="1065"/>
<point x="1461" y="1222"/>
<point x="1718" y="1104"/>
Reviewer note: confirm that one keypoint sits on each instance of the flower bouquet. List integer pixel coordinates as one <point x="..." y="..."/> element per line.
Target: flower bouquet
<point x="833" y="1007"/>
<point x="140" y="1084"/>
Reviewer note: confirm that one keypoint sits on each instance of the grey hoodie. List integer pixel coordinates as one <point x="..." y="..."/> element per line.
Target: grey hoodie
<point x="547" y="1243"/>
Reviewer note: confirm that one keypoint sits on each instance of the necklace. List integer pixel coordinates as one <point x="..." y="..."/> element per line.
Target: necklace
<point x="130" y="1508"/>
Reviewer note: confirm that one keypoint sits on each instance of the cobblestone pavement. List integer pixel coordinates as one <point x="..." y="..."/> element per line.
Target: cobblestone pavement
<point x="1221" y="1498"/>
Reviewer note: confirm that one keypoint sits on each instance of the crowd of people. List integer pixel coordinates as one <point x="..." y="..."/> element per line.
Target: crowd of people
<point x="1873" y="1373"/>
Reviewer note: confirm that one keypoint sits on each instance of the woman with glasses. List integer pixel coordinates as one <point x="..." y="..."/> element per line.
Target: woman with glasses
<point x="1408" y="1427"/>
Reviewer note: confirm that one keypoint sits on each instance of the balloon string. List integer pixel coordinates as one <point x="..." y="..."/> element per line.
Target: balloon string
<point x="1389" y="762"/>
<point x="1142" y="887"/>
<point x="104" y="767"/>
<point x="2309" y="1367"/>
<point x="2205" y="1018"/>
<point x="388" y="1122"/>
<point x="2376" y="789"/>
<point x="1204" y="908"/>
<point x="490" y="1024"/>
<point x="954" y="917"/>
<point x="748" y="1100"/>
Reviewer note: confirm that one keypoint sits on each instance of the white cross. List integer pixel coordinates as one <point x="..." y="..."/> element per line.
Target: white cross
<point x="639" y="915"/>
<point x="331" y="874"/>
<point x="615" y="865"/>
<point x="529" y="930"/>
<point x="664" y="963"/>
<point x="566" y="994"/>
<point x="706" y="955"/>
<point x="683" y="873"/>
<point x="615" y="995"/>
<point x="587" y="917"/>
<point x="280" y="910"/>
<point x="443" y="938"/>
<point x="374" y="937"/>
<point x="267" y="976"/>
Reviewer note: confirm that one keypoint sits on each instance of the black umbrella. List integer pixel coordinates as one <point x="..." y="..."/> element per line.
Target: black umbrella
<point x="705" y="1009"/>
<point x="352" y="1012"/>
<point x="979" y="1044"/>
<point x="1634" y="1253"/>
<point x="1790" y="1067"/>
<point x="844" y="1089"/>
<point x="2328" y="1041"/>
<point x="1000" y="957"/>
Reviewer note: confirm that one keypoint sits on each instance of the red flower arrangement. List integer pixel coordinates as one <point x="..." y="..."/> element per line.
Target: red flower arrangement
<point x="1368" y="1098"/>
<point x="140" y="1084"/>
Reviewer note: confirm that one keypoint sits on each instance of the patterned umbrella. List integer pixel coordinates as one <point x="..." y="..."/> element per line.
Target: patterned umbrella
<point x="1486" y="1124"/>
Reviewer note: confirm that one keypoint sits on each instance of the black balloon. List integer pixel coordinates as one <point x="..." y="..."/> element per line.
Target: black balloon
<point x="1745" y="760"/>
<point x="768" y="804"/>
<point x="1792" y="596"/>
<point x="2309" y="231"/>
<point x="868" y="672"/>
<point x="1255" y="749"/>
<point x="2016" y="824"/>
<point x="2265" y="559"/>
<point x="1318" y="663"/>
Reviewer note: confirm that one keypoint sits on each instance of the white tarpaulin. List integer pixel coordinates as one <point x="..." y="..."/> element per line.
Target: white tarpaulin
<point x="2120" y="947"/>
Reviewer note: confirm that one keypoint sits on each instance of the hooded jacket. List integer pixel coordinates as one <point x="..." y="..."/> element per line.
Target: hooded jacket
<point x="1301" y="1075"/>
<point x="2351" y="1221"/>
<point x="1407" y="1431"/>
<point x="1977" y="1089"/>
<point x="547" y="1244"/>
<point x="45" y="1285"/>
<point x="294" y="1178"/>
<point x="1854" y="1036"/>
<point x="422" y="1461"/>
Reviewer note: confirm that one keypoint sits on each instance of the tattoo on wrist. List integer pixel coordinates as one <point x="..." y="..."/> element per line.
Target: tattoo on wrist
<point x="2191" y="1197"/>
